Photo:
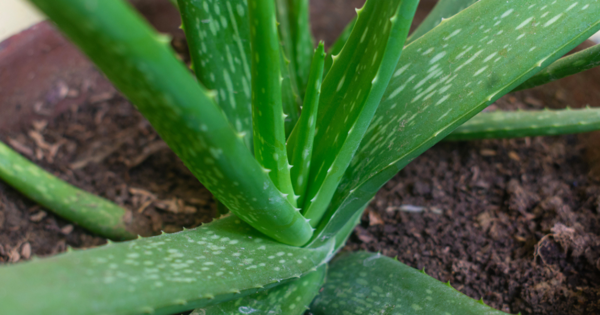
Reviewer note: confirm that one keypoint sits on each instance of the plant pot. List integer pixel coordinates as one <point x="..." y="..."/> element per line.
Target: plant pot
<point x="466" y="196"/>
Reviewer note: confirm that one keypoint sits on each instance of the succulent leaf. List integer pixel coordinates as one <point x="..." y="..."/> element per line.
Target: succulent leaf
<point x="382" y="285"/>
<point x="87" y="210"/>
<point x="337" y="47"/>
<point x="444" y="9"/>
<point x="165" y="274"/>
<point x="291" y="298"/>
<point x="291" y="101"/>
<point x="182" y="111"/>
<point x="303" y="42"/>
<point x="267" y="110"/>
<point x="352" y="90"/>
<point x="564" y="67"/>
<point x="477" y="56"/>
<point x="219" y="40"/>
<point x="499" y="124"/>
<point x="300" y="142"/>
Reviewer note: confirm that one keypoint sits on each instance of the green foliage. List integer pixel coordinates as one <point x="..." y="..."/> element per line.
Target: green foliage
<point x="300" y="143"/>
<point x="382" y="104"/>
<point x="218" y="36"/>
<point x="267" y="110"/>
<point x="500" y="124"/>
<point x="183" y="112"/>
<point x="89" y="211"/>
<point x="446" y="77"/>
<point x="291" y="298"/>
<point x="353" y="89"/>
<point x="364" y="283"/>
<point x="164" y="274"/>
<point x="564" y="67"/>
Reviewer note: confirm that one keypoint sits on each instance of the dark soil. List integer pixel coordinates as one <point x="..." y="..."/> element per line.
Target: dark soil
<point x="515" y="222"/>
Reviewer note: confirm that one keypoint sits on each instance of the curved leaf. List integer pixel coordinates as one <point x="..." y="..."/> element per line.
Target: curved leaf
<point x="450" y="74"/>
<point x="564" y="67"/>
<point x="444" y="9"/>
<point x="166" y="274"/>
<point x="291" y="298"/>
<point x="352" y="90"/>
<point x="499" y="124"/>
<point x="87" y="210"/>
<point x="368" y="283"/>
<point x="146" y="70"/>
<point x="300" y="143"/>
<point x="219" y="40"/>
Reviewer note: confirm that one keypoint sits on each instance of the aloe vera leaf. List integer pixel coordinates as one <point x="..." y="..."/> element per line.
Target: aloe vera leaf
<point x="166" y="274"/>
<point x="500" y="124"/>
<point x="337" y="47"/>
<point x="300" y="143"/>
<point x="352" y="90"/>
<point x="449" y="75"/>
<point x="382" y="285"/>
<point x="267" y="110"/>
<point x="219" y="43"/>
<point x="290" y="97"/>
<point x="291" y="298"/>
<point x="146" y="70"/>
<point x="444" y="9"/>
<point x="303" y="42"/>
<point x="564" y="67"/>
<point x="93" y="213"/>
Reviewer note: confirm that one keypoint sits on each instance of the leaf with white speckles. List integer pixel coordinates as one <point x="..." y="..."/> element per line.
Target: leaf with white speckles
<point x="351" y="92"/>
<point x="94" y="213"/>
<point x="300" y="143"/>
<point x="564" y="67"/>
<point x="338" y="45"/>
<point x="381" y="285"/>
<point x="450" y="74"/>
<point x="165" y="274"/>
<point x="291" y="298"/>
<point x="499" y="124"/>
<point x="146" y="70"/>
<point x="444" y="9"/>
<point x="219" y="40"/>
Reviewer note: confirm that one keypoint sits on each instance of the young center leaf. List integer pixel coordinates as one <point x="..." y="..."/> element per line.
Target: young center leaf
<point x="146" y="70"/>
<point x="450" y="74"/>
<point x="267" y="110"/>
<point x="499" y="124"/>
<point x="300" y="143"/>
<point x="564" y="67"/>
<point x="291" y="298"/>
<point x="381" y="285"/>
<point x="219" y="41"/>
<point x="87" y="210"/>
<point x="165" y="274"/>
<point x="351" y="92"/>
<point x="302" y="41"/>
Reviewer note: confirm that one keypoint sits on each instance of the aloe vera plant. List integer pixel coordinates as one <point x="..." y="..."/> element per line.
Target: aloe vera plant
<point x="294" y="143"/>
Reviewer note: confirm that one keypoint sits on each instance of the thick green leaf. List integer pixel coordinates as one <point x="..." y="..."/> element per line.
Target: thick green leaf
<point x="444" y="9"/>
<point x="352" y="90"/>
<point x="219" y="41"/>
<point x="89" y="211"/>
<point x="300" y="143"/>
<point x="166" y="274"/>
<point x="365" y="283"/>
<point x="267" y="111"/>
<point x="291" y="298"/>
<point x="450" y="74"/>
<point x="564" y="67"/>
<point x="517" y="124"/>
<point x="146" y="70"/>
<point x="303" y="42"/>
<point x="337" y="47"/>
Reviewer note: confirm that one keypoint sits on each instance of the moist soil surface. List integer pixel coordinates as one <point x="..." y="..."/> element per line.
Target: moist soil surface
<point x="514" y="222"/>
